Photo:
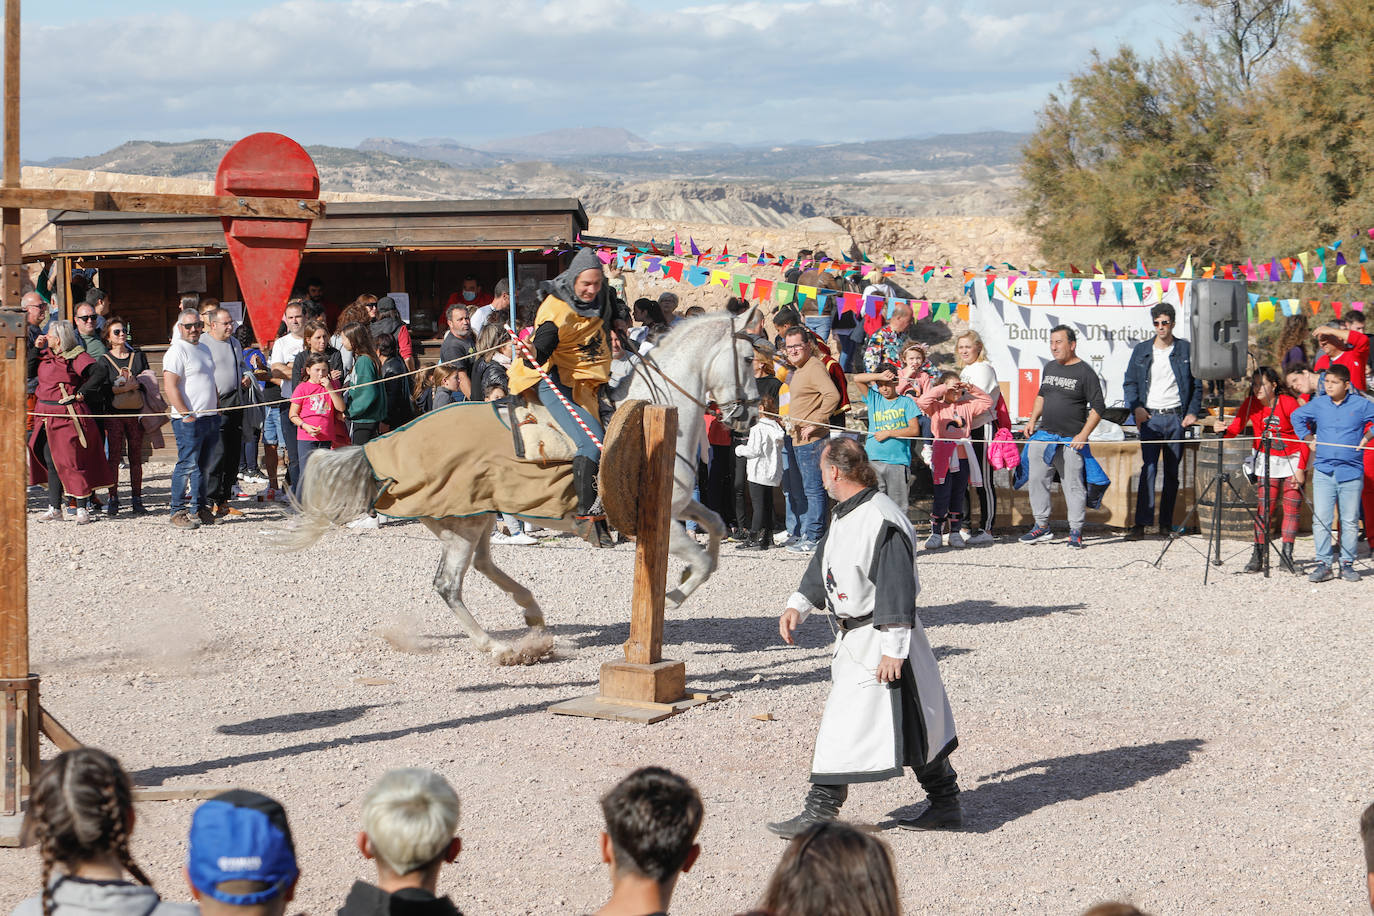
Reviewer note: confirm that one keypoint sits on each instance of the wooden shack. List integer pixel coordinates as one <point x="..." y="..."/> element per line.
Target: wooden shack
<point x="420" y="248"/>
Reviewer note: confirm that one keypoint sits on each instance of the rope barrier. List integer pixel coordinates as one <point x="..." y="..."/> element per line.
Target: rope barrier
<point x="256" y="404"/>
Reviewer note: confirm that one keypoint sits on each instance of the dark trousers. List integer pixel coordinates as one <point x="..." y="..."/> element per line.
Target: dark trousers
<point x="288" y="432"/>
<point x="1160" y="426"/>
<point x="225" y="458"/>
<point x="363" y="433"/>
<point x="949" y="495"/>
<point x="740" y="488"/>
<point x="938" y="779"/>
<point x="761" y="495"/>
<point x="719" y="483"/>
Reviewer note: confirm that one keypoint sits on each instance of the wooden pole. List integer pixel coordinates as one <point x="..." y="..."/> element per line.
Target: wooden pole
<point x="645" y="645"/>
<point x="18" y="688"/>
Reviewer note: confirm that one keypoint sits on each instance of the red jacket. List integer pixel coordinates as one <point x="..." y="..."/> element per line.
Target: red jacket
<point x="1276" y="421"/>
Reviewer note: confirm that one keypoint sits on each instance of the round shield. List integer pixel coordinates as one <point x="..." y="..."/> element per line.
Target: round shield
<point x="622" y="463"/>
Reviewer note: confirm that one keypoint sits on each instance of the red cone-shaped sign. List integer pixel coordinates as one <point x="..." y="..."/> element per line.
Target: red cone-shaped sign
<point x="266" y="253"/>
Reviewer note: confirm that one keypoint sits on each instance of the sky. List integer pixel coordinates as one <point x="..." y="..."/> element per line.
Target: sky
<point x="96" y="74"/>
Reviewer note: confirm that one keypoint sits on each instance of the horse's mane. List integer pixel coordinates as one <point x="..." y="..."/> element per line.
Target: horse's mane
<point x="699" y="330"/>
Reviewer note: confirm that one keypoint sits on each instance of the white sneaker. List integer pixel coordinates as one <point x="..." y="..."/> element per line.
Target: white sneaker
<point x="522" y="540"/>
<point x="365" y="522"/>
<point x="982" y="537"/>
<point x="82" y="516"/>
<point x="935" y="541"/>
<point x="52" y="515"/>
<point x="531" y="529"/>
<point x="498" y="537"/>
<point x="956" y="539"/>
<point x="783" y="539"/>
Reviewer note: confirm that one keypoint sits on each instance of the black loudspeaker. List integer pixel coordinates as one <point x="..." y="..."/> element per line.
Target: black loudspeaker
<point x="1220" y="328"/>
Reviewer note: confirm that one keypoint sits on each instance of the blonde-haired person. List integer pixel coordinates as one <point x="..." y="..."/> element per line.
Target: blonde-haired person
<point x="976" y="370"/>
<point x="410" y="827"/>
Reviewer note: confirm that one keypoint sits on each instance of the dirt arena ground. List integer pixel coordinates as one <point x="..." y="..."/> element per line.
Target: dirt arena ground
<point x="1126" y="733"/>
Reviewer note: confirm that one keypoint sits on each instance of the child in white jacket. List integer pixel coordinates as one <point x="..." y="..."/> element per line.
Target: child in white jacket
<point x="764" y="472"/>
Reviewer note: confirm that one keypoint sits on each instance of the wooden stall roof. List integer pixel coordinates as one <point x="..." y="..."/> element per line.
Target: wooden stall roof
<point x="393" y="224"/>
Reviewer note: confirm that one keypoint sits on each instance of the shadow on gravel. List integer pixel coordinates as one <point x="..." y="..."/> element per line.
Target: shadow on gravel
<point x="297" y="721"/>
<point x="1042" y="783"/>
<point x="973" y="612"/>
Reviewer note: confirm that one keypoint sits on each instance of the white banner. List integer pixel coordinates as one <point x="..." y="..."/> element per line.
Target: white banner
<point x="1109" y="316"/>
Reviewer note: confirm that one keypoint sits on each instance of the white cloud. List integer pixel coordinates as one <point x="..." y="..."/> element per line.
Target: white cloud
<point x="751" y="71"/>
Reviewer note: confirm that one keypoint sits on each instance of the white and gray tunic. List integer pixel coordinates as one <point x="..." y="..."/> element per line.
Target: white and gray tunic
<point x="864" y="573"/>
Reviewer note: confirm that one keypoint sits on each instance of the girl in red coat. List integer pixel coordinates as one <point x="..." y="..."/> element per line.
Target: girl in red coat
<point x="66" y="450"/>
<point x="1266" y="410"/>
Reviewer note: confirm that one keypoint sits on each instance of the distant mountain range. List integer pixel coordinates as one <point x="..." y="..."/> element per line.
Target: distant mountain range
<point x="618" y="173"/>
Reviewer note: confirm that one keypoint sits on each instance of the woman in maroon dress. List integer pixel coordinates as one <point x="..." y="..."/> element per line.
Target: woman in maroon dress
<point x="66" y="450"/>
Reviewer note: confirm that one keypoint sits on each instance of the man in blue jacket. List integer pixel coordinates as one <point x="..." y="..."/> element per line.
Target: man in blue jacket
<point x="1166" y="399"/>
<point x="1337" y="420"/>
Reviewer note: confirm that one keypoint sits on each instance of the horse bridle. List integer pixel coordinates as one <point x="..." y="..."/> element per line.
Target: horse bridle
<point x="740" y="404"/>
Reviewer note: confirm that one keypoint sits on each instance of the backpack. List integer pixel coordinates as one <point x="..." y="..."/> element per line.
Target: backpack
<point x="1002" y="451"/>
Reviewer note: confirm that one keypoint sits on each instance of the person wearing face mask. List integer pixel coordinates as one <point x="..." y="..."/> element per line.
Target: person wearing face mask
<point x="470" y="294"/>
<point x="570" y="344"/>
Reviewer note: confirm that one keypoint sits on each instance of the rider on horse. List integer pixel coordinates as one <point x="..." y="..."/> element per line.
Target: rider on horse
<point x="572" y="346"/>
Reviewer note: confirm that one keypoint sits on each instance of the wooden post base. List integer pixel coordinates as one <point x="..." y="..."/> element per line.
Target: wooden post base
<point x="19" y="723"/>
<point x="637" y="693"/>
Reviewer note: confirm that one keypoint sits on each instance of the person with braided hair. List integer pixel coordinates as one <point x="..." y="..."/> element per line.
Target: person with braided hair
<point x="81" y="813"/>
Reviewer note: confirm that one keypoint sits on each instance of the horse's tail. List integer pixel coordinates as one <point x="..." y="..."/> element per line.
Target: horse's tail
<point x="338" y="487"/>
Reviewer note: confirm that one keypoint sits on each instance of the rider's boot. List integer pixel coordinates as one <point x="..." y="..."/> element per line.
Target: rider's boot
<point x="591" y="517"/>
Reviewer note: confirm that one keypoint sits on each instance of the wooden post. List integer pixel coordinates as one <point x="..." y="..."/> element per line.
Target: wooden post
<point x="18" y="687"/>
<point x="644" y="687"/>
<point x="645" y="645"/>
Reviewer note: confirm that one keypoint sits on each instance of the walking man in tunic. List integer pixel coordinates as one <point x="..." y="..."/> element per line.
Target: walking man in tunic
<point x="887" y="707"/>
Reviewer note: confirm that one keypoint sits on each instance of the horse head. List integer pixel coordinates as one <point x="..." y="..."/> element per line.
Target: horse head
<point x="728" y="374"/>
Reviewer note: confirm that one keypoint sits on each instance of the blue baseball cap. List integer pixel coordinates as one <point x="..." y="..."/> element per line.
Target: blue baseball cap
<point x="241" y="836"/>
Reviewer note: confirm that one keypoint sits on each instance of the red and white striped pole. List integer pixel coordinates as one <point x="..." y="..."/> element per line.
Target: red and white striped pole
<point x="529" y="357"/>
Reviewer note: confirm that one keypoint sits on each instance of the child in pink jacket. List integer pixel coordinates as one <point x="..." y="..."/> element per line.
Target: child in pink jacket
<point x="952" y="407"/>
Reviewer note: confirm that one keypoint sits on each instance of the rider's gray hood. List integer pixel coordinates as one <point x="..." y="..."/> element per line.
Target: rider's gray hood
<point x="562" y="286"/>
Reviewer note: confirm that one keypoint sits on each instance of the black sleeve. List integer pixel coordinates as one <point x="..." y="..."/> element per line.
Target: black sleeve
<point x="94" y="381"/>
<point x="297" y="365"/>
<point x="813" y="580"/>
<point x="545" y="342"/>
<point x="893" y="575"/>
<point x="1092" y="389"/>
<point x="139" y="364"/>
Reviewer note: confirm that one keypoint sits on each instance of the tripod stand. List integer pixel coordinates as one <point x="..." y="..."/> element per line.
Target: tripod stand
<point x="1217" y="487"/>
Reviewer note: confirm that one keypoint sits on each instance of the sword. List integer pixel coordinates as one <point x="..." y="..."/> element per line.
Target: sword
<point x="71" y="412"/>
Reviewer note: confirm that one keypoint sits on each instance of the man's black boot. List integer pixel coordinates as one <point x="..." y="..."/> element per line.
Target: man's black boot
<point x="591" y="518"/>
<point x="1286" y="558"/>
<point x="943" y="814"/>
<point x="822" y="804"/>
<point x="1256" y="563"/>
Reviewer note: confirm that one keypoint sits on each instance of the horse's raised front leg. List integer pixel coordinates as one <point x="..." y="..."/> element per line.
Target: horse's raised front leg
<point x="535" y="644"/>
<point x="700" y="564"/>
<point x="458" y="539"/>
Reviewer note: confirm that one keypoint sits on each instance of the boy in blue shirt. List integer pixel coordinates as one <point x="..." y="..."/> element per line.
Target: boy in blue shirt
<point x="1338" y="419"/>
<point x="890" y="416"/>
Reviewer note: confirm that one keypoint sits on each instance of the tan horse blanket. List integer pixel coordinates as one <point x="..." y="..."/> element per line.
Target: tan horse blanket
<point x="460" y="460"/>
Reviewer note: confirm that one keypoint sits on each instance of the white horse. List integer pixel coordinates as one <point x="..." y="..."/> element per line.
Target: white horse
<point x="702" y="359"/>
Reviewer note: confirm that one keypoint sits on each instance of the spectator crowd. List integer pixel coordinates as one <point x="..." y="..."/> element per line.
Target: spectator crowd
<point x="241" y="860"/>
<point x="334" y="376"/>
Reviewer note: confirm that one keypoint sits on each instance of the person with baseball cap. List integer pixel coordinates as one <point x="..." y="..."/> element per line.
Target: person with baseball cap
<point x="241" y="861"/>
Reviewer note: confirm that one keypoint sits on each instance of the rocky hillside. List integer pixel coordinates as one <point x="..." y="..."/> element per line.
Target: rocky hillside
<point x="964" y="175"/>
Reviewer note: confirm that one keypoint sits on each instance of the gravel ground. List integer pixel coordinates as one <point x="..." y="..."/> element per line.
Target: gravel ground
<point x="1126" y="733"/>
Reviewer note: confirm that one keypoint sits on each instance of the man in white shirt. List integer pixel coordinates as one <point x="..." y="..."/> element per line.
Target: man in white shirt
<point x="1166" y="399"/>
<point x="188" y="379"/>
<point x="497" y="310"/>
<point x="284" y="352"/>
<point x="230" y="378"/>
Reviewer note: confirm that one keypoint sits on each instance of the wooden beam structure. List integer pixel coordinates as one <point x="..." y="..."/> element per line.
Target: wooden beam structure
<point x="12" y="196"/>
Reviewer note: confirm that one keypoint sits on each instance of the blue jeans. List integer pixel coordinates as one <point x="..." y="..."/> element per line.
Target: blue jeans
<point x="1160" y="426"/>
<point x="811" y="507"/>
<point x="196" y="442"/>
<point x="792" y="492"/>
<point x="1327" y="494"/>
<point x="305" y="448"/>
<point x="584" y="443"/>
<point x="821" y="324"/>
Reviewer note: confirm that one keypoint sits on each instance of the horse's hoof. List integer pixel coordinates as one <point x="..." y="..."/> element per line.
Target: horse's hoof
<point x="535" y="645"/>
<point x="535" y="623"/>
<point x="675" y="598"/>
